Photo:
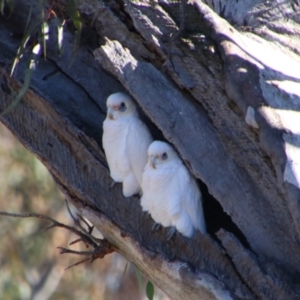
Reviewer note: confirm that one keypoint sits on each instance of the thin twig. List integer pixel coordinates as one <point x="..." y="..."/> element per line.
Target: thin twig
<point x="85" y="238"/>
<point x="75" y="242"/>
<point x="101" y="246"/>
<point x="78" y="263"/>
<point x="65" y="250"/>
<point x="76" y="221"/>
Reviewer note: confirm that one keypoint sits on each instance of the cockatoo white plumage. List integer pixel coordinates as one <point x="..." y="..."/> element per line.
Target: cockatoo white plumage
<point x="170" y="193"/>
<point x="125" y="141"/>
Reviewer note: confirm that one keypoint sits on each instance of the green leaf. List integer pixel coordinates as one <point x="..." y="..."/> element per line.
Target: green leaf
<point x="23" y="44"/>
<point x="2" y="3"/>
<point x="75" y="16"/>
<point x="139" y="278"/>
<point x="45" y="36"/>
<point x="125" y="269"/>
<point x="11" y="5"/>
<point x="28" y="17"/>
<point x="60" y="32"/>
<point x="27" y="80"/>
<point x="44" y="32"/>
<point x="150" y="290"/>
<point x="36" y="49"/>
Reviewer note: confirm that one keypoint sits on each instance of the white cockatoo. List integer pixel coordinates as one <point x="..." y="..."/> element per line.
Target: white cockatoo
<point x="170" y="194"/>
<point x="125" y="141"/>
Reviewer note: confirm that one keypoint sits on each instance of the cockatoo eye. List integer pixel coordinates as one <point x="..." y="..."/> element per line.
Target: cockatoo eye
<point x="164" y="156"/>
<point x="122" y="107"/>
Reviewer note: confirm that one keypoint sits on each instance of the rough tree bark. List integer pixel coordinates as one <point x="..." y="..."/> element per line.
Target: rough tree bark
<point x="225" y="93"/>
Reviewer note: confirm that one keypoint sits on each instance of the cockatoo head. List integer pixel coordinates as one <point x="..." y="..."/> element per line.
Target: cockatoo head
<point x="119" y="106"/>
<point x="160" y="154"/>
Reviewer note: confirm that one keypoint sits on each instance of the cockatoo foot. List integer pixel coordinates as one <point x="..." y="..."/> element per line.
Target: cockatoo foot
<point x="112" y="185"/>
<point x="171" y="233"/>
<point x="155" y="226"/>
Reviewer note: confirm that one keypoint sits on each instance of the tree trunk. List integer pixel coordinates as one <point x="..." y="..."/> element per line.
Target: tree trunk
<point x="225" y="92"/>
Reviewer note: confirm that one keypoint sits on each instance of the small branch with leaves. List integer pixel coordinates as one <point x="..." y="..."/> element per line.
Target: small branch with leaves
<point x="101" y="247"/>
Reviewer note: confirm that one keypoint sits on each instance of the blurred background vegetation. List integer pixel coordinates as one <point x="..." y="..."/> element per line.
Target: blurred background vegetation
<point x="30" y="263"/>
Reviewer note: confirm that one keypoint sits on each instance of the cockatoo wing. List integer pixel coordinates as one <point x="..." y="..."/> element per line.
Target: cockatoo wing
<point x="191" y="198"/>
<point x="146" y="202"/>
<point x="172" y="198"/>
<point x="138" y="140"/>
<point x="130" y="185"/>
<point x="155" y="188"/>
<point x="114" y="144"/>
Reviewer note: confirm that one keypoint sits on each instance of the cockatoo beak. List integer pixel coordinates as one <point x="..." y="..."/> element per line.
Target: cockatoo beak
<point x="153" y="161"/>
<point x="110" y="113"/>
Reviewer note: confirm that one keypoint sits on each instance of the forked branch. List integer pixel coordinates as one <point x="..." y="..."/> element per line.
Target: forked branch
<point x="101" y="247"/>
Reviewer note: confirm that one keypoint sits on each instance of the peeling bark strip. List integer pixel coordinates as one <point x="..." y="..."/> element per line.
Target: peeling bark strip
<point x="251" y="171"/>
<point x="259" y="75"/>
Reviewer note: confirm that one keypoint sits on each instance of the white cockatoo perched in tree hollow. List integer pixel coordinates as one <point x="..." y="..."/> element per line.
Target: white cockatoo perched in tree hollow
<point x="125" y="141"/>
<point x="170" y="194"/>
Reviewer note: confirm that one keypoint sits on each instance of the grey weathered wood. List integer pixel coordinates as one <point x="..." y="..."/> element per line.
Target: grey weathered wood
<point x="201" y="149"/>
<point x="229" y="108"/>
<point x="262" y="281"/>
